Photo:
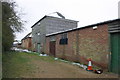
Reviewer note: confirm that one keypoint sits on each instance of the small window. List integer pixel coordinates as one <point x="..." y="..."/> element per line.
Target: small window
<point x="38" y="33"/>
<point x="38" y="23"/>
<point x="64" y="39"/>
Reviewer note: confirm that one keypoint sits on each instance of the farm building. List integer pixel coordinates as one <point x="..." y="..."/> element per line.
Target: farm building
<point x="48" y="25"/>
<point x="100" y="42"/>
<point x="61" y="38"/>
<point x="27" y="42"/>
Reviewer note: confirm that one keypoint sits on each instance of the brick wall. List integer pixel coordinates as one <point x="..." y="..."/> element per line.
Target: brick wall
<point x="94" y="44"/>
<point x="27" y="43"/>
<point x="67" y="51"/>
<point x="46" y="45"/>
<point x="84" y="44"/>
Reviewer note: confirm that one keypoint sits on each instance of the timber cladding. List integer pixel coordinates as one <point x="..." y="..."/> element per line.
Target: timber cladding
<point x="83" y="44"/>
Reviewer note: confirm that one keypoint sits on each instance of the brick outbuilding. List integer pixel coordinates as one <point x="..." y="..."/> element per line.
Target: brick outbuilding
<point x="80" y="44"/>
<point x="27" y="42"/>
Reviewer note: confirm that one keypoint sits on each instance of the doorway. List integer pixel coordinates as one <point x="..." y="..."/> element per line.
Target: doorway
<point x="52" y="48"/>
<point x="38" y="48"/>
<point x="115" y="52"/>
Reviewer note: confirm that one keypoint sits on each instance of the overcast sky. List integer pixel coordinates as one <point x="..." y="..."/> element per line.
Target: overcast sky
<point x="87" y="12"/>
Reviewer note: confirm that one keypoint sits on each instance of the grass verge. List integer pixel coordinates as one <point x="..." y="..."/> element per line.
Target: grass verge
<point x="17" y="63"/>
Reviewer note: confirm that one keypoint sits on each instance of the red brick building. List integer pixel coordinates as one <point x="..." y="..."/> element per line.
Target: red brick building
<point x="81" y="44"/>
<point x="27" y="42"/>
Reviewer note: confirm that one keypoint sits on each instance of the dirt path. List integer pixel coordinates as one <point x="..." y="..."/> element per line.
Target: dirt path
<point x="42" y="67"/>
<point x="57" y="69"/>
<point x="62" y="70"/>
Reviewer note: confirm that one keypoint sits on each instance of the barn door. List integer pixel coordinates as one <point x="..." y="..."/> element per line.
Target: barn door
<point x="52" y="48"/>
<point x="115" y="54"/>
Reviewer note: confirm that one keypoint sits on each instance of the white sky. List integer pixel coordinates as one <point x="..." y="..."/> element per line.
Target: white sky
<point x="87" y="12"/>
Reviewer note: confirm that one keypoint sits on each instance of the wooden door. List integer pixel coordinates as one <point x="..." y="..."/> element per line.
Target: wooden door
<point x="115" y="50"/>
<point x="52" y="48"/>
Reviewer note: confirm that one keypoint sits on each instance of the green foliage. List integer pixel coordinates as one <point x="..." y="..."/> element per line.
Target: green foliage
<point x="11" y="23"/>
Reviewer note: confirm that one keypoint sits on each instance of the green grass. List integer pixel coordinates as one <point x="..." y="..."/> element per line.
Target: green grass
<point x="17" y="63"/>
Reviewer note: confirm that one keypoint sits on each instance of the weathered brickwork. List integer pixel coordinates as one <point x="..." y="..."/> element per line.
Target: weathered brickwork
<point x="68" y="50"/>
<point x="46" y="46"/>
<point x="83" y="44"/>
<point x="94" y="44"/>
<point x="27" y="43"/>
